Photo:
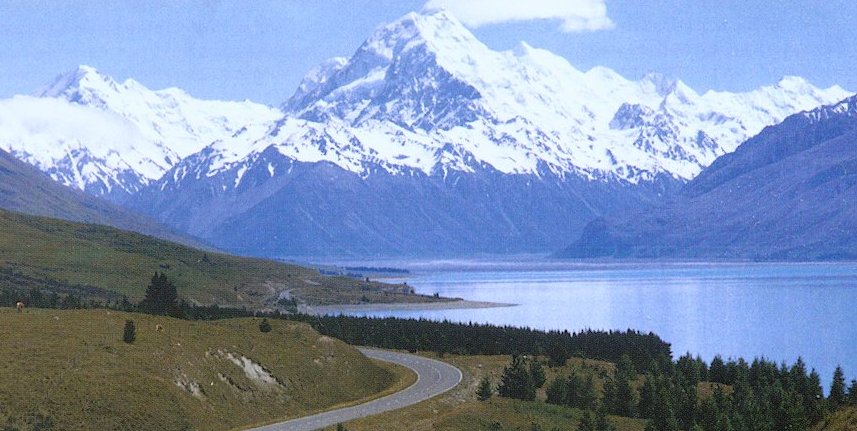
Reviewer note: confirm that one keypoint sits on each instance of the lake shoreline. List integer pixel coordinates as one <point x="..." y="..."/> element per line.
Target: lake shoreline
<point x="460" y="304"/>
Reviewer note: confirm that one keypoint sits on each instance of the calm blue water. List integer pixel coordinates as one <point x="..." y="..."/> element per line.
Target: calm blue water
<point x="779" y="311"/>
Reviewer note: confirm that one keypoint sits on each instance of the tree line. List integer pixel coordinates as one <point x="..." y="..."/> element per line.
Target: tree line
<point x="444" y="337"/>
<point x="757" y="396"/>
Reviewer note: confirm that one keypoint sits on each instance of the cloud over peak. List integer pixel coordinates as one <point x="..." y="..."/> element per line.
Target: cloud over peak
<point x="575" y="15"/>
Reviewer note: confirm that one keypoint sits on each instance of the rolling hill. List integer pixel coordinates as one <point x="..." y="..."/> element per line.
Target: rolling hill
<point x="105" y="263"/>
<point x="79" y="374"/>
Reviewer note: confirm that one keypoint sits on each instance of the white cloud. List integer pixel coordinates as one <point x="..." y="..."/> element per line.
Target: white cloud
<point x="576" y="15"/>
<point x="47" y="128"/>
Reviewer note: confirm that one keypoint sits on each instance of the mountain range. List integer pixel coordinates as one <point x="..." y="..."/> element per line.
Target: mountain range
<point x="786" y="194"/>
<point x="424" y="141"/>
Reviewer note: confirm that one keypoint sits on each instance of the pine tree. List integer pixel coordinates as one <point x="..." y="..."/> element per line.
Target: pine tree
<point x="557" y="355"/>
<point x="537" y="372"/>
<point x="663" y="415"/>
<point x="814" y="398"/>
<point x="717" y="372"/>
<point x="619" y="396"/>
<point x="485" y="390"/>
<point x="788" y="412"/>
<point x="264" y="326"/>
<point x="685" y="400"/>
<point x="556" y="391"/>
<point x="586" y="396"/>
<point x="610" y="397"/>
<point x="852" y="393"/>
<point x="129" y="334"/>
<point x="647" y="397"/>
<point x="161" y="296"/>
<point x="516" y="381"/>
<point x="625" y="368"/>
<point x="714" y="412"/>
<point x="837" y="389"/>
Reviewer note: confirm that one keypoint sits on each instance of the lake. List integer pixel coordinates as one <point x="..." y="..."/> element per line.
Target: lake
<point x="779" y="311"/>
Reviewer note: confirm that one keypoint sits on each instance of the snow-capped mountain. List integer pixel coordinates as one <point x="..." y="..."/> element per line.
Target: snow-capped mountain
<point x="788" y="193"/>
<point x="426" y="140"/>
<point x="423" y="93"/>
<point x="423" y="141"/>
<point x="91" y="132"/>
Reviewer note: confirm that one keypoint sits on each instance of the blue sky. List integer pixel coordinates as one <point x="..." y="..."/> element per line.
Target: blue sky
<point x="259" y="50"/>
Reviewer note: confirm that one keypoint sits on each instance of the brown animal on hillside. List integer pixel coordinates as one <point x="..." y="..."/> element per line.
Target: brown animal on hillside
<point x="159" y="328"/>
<point x="20" y="306"/>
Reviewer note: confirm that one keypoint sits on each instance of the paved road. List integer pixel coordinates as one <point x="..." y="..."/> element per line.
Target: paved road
<point x="433" y="378"/>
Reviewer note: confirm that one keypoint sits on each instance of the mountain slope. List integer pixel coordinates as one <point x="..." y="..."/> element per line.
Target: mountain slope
<point x="91" y="132"/>
<point x="426" y="141"/>
<point x="102" y="263"/>
<point x="787" y="193"/>
<point x="25" y="189"/>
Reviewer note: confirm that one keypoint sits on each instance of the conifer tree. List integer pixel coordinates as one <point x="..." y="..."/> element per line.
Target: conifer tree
<point x="586" y="397"/>
<point x="161" y="296"/>
<point x="619" y="396"/>
<point x="556" y="391"/>
<point x="647" y="397"/>
<point x="516" y="381"/>
<point x="663" y="414"/>
<point x="485" y="390"/>
<point x="852" y="393"/>
<point x="537" y="372"/>
<point x="129" y="333"/>
<point x="814" y="398"/>
<point x="557" y="355"/>
<point x="264" y="326"/>
<point x="837" y="389"/>
<point x="717" y="372"/>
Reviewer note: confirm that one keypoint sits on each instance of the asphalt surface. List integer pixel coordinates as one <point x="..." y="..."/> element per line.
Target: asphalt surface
<point x="433" y="378"/>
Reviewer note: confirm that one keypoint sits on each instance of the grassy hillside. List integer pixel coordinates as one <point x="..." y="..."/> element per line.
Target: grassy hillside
<point x="100" y="261"/>
<point x="25" y="189"/>
<point x="843" y="420"/>
<point x="71" y="370"/>
<point x="459" y="410"/>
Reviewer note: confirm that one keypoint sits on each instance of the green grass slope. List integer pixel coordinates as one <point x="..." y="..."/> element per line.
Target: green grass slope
<point x="70" y="370"/>
<point x="94" y="260"/>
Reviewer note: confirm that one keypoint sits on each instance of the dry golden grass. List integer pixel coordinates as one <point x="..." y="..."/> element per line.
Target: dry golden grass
<point x="71" y="370"/>
<point x="843" y="420"/>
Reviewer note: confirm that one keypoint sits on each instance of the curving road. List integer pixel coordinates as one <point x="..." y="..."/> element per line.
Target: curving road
<point x="433" y="378"/>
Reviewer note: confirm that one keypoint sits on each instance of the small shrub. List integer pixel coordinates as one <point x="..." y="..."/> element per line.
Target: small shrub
<point x="485" y="390"/>
<point x="265" y="326"/>
<point x="130" y="332"/>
